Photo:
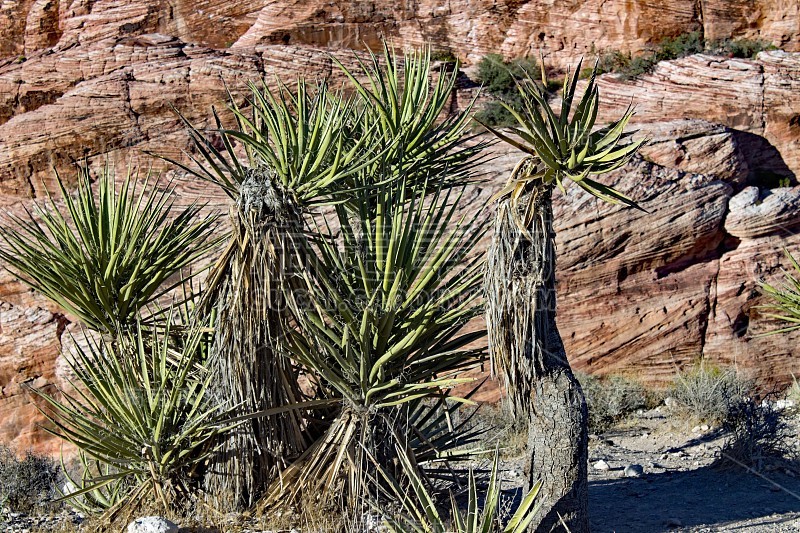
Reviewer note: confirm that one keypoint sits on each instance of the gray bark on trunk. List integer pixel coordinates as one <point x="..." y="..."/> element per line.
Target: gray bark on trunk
<point x="250" y="370"/>
<point x="527" y="350"/>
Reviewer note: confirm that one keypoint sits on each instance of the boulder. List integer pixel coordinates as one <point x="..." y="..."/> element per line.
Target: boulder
<point x="152" y="524"/>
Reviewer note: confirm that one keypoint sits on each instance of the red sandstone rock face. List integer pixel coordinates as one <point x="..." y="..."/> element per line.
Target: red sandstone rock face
<point x="28" y="26"/>
<point x="562" y="31"/>
<point x="469" y="28"/>
<point x="638" y="293"/>
<point x="760" y="97"/>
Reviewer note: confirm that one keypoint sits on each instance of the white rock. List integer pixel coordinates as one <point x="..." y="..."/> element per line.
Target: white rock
<point x="784" y="404"/>
<point x="68" y="488"/>
<point x="601" y="465"/>
<point x="704" y="427"/>
<point x="669" y="401"/>
<point x="633" y="471"/>
<point x="696" y="429"/>
<point x="152" y="524"/>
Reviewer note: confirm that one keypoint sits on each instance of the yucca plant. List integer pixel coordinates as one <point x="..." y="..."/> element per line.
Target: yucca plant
<point x="296" y="154"/>
<point x="115" y="250"/>
<point x="382" y="324"/>
<point x="524" y="342"/>
<point x="563" y="145"/>
<point x="420" y="512"/>
<point x="784" y="299"/>
<point x="304" y="148"/>
<point x="139" y="414"/>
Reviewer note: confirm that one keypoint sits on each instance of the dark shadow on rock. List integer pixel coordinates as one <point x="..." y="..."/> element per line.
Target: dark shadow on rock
<point x="707" y="496"/>
<point x="767" y="167"/>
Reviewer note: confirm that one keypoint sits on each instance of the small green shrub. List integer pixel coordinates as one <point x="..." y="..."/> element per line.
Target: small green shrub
<point x="27" y="484"/>
<point x="629" y="66"/>
<point x="680" y="46"/>
<point x="443" y="54"/>
<point x="741" y="48"/>
<point x="613" y="61"/>
<point x="758" y="435"/>
<point x="611" y="399"/>
<point x="711" y="394"/>
<point x="497" y="75"/>
<point x="498" y="78"/>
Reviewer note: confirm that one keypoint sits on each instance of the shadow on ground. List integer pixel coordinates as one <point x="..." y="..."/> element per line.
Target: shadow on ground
<point x="709" y="497"/>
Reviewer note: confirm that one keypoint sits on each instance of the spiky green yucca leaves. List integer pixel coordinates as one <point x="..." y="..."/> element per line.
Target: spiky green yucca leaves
<point x="382" y="325"/>
<point x="421" y="514"/>
<point x="317" y="141"/>
<point x="398" y="287"/>
<point x="109" y="255"/>
<point x="302" y="135"/>
<point x="563" y="144"/>
<point x="139" y="411"/>
<point x="403" y="121"/>
<point x="784" y="298"/>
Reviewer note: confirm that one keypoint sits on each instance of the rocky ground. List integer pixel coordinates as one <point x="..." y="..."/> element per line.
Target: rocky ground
<point x="654" y="472"/>
<point x="683" y="485"/>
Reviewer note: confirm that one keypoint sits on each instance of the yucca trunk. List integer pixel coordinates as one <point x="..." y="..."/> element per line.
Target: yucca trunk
<point x="527" y="349"/>
<point x="250" y="371"/>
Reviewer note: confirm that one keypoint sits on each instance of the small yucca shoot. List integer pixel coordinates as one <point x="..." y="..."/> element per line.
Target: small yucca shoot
<point x="784" y="302"/>
<point x="563" y="145"/>
<point x="139" y="412"/>
<point x="421" y="514"/>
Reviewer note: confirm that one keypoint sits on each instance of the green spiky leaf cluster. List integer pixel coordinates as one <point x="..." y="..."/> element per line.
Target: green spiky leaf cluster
<point x="139" y="411"/>
<point x="421" y="514"/>
<point x="382" y="324"/>
<point x="403" y="120"/>
<point x="784" y="298"/>
<point x="320" y="142"/>
<point x="302" y="135"/>
<point x="391" y="298"/>
<point x="564" y="145"/>
<point x="110" y="254"/>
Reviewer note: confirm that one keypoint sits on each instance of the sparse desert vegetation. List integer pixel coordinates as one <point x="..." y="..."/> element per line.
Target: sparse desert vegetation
<point x="497" y="74"/>
<point x="629" y="66"/>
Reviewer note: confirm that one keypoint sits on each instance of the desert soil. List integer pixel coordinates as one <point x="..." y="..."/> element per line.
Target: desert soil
<point x="684" y="487"/>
